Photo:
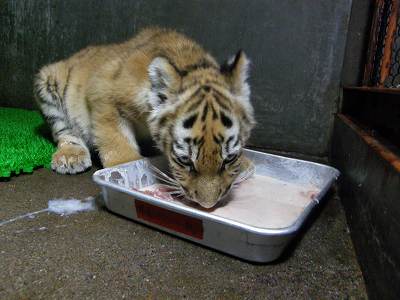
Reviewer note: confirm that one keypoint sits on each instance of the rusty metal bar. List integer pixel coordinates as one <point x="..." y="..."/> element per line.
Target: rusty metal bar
<point x="389" y="40"/>
<point x="372" y="45"/>
<point x="378" y="147"/>
<point x="378" y="90"/>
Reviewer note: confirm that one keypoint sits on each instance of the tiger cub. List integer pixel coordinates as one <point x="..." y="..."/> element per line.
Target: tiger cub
<point x="159" y="84"/>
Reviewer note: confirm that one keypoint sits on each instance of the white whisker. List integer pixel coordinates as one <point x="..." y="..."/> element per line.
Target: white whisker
<point x="161" y="173"/>
<point x="172" y="184"/>
<point x="163" y="178"/>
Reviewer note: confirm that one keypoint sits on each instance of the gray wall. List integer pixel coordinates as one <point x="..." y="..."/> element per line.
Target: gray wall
<point x="297" y="49"/>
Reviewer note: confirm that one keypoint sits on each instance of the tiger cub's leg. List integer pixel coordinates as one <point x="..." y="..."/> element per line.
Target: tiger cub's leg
<point x="114" y="137"/>
<point x="72" y="155"/>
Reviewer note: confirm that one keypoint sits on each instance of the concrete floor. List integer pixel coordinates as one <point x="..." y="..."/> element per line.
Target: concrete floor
<point x="98" y="255"/>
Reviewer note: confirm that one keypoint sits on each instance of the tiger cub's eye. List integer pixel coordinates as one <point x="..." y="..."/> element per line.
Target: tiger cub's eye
<point x="185" y="160"/>
<point x="230" y="158"/>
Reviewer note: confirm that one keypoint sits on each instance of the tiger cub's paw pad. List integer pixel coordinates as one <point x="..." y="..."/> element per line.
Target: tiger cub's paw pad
<point x="71" y="159"/>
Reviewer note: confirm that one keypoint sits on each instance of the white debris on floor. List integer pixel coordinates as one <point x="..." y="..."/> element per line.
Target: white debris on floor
<point x="63" y="207"/>
<point x="71" y="206"/>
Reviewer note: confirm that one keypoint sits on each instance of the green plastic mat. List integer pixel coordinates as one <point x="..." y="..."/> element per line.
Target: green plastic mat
<point x="24" y="145"/>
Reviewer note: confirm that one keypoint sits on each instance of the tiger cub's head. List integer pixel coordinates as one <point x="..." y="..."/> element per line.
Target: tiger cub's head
<point x="201" y="119"/>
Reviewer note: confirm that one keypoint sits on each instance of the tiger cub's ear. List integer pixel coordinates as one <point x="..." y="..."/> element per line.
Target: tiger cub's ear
<point x="164" y="80"/>
<point x="236" y="70"/>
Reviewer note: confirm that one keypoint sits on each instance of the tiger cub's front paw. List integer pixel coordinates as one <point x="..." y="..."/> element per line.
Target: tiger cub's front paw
<point x="71" y="159"/>
<point x="247" y="165"/>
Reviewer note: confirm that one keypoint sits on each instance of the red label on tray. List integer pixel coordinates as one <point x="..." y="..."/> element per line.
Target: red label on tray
<point x="163" y="217"/>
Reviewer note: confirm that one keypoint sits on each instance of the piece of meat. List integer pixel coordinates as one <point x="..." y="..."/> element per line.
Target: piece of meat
<point x="159" y="191"/>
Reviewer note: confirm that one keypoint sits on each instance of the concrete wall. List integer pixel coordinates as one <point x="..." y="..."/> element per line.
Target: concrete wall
<point x="297" y="49"/>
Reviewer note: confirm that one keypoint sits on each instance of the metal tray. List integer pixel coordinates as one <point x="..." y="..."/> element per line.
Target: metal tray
<point x="226" y="235"/>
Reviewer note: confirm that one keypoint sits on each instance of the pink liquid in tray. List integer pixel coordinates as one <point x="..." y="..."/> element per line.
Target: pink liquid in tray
<point x="260" y="201"/>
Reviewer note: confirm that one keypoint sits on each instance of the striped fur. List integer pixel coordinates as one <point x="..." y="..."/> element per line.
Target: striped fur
<point x="159" y="84"/>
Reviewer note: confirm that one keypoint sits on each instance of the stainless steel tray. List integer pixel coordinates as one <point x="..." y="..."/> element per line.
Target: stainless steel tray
<point x="236" y="238"/>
